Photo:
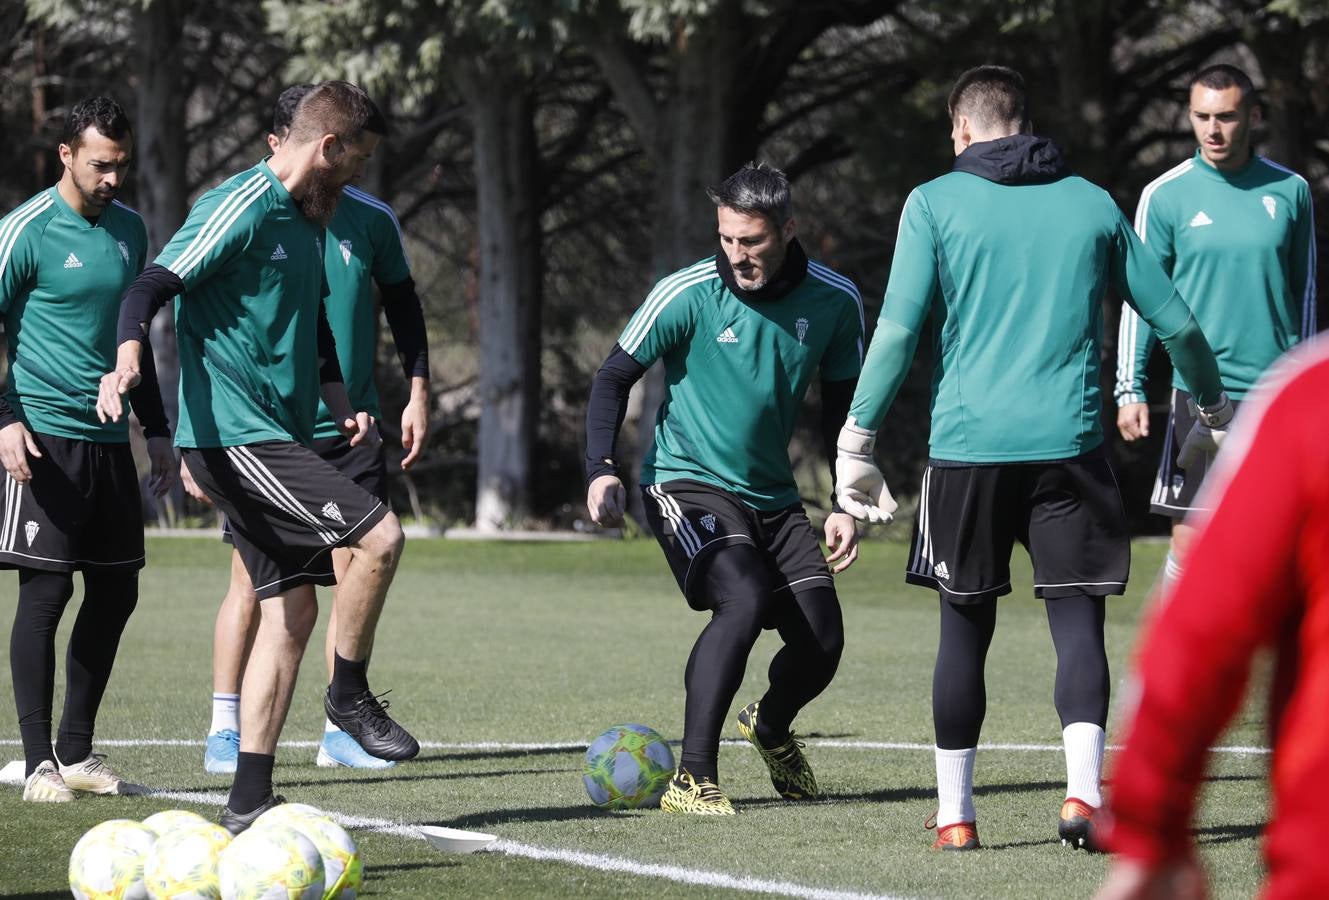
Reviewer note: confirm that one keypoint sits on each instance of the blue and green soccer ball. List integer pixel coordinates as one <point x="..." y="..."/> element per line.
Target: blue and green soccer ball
<point x="627" y="767"/>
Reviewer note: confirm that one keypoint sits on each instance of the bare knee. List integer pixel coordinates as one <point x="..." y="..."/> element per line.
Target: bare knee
<point x="382" y="544"/>
<point x="294" y="614"/>
<point x="1182" y="535"/>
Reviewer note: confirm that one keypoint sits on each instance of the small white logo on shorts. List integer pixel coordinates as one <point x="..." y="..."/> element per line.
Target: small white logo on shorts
<point x="124" y="251"/>
<point x="941" y="571"/>
<point x="30" y="529"/>
<point x="801" y="326"/>
<point x="333" y="512"/>
<point x="279" y="253"/>
<point x="345" y="252"/>
<point x="1270" y="205"/>
<point x="1177" y="482"/>
<point x="708" y="522"/>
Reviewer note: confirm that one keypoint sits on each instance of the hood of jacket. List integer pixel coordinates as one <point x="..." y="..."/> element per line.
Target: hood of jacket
<point x="1017" y="159"/>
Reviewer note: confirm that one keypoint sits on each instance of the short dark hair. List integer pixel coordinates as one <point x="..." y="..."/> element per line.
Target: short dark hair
<point x="336" y="107"/>
<point x="993" y="97"/>
<point x="283" y="111"/>
<point x="758" y="189"/>
<point x="1222" y="76"/>
<point x="102" y="113"/>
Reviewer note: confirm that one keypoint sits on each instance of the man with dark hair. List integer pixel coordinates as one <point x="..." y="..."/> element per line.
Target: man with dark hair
<point x="1015" y="449"/>
<point x="71" y="488"/>
<point x="363" y="246"/>
<point x="247" y="268"/>
<point x="741" y="335"/>
<point x="1236" y="233"/>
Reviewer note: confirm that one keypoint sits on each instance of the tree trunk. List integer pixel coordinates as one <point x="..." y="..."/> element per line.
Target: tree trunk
<point x="162" y="187"/>
<point x="510" y="278"/>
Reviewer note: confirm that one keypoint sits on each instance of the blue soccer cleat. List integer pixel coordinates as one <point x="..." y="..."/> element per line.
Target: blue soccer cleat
<point x="339" y="749"/>
<point x="221" y="752"/>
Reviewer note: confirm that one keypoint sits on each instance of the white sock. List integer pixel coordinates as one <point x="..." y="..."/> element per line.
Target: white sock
<point x="1171" y="570"/>
<point x="955" y="786"/>
<point x="225" y="713"/>
<point x="329" y="726"/>
<point x="1084" y="762"/>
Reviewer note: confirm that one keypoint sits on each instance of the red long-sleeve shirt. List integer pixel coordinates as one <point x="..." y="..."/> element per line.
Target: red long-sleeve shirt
<point x="1257" y="574"/>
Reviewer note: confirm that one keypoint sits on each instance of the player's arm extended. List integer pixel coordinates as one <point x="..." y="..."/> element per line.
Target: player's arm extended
<point x="406" y="319"/>
<point x="606" y="498"/>
<point x="147" y="294"/>
<point x="1237" y="592"/>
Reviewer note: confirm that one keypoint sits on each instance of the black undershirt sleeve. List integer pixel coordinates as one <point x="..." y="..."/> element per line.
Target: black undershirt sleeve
<point x="329" y="369"/>
<point x="146" y="397"/>
<point x="406" y="319"/>
<point x="605" y="410"/>
<point x="7" y="416"/>
<point x="836" y="398"/>
<point x="148" y="293"/>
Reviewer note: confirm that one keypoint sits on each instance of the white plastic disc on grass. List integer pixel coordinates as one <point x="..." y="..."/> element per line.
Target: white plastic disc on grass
<point x="454" y="840"/>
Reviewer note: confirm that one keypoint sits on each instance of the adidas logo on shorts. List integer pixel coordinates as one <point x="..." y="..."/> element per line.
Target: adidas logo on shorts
<point x="941" y="571"/>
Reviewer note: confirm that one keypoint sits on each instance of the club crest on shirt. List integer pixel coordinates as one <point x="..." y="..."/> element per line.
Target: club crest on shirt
<point x="708" y="522"/>
<point x="333" y="512"/>
<point x="1270" y="205"/>
<point x="801" y="329"/>
<point x="124" y="251"/>
<point x="345" y="252"/>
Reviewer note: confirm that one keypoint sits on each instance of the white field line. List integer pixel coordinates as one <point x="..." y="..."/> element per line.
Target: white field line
<point x="598" y="861"/>
<point x="546" y="746"/>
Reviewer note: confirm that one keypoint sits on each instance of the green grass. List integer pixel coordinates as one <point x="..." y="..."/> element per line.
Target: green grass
<point x="548" y="643"/>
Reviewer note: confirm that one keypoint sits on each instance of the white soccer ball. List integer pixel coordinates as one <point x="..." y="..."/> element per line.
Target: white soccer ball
<point x="107" y="861"/>
<point x="343" y="873"/>
<point x="170" y="819"/>
<point x="274" y="863"/>
<point x="183" y="864"/>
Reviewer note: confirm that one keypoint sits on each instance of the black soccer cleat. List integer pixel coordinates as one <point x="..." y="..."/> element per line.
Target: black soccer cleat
<point x="367" y="721"/>
<point x="235" y="822"/>
<point x="1075" y="825"/>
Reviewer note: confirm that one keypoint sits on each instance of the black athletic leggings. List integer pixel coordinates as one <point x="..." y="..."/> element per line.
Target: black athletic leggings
<point x="108" y="600"/>
<point x="737" y="585"/>
<point x="959" y="696"/>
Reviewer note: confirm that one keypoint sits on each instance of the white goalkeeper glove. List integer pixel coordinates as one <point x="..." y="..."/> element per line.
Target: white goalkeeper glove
<point x="860" y="488"/>
<point x="1207" y="434"/>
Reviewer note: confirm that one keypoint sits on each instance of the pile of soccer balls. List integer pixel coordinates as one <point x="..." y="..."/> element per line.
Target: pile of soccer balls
<point x="291" y="851"/>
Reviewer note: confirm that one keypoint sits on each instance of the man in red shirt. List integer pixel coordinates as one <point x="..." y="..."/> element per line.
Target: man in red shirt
<point x="1255" y="577"/>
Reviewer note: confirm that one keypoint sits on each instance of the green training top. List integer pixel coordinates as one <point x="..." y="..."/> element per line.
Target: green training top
<point x="246" y="324"/>
<point x="1014" y="275"/>
<point x="1240" y="248"/>
<point x="736" y="372"/>
<point x="61" y="279"/>
<point x="364" y="242"/>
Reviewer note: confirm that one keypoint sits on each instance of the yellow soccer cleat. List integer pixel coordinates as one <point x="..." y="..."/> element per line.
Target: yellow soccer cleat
<point x="698" y="798"/>
<point x="790" y="772"/>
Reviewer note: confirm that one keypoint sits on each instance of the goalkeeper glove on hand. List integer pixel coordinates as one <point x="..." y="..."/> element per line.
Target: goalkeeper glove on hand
<point x="859" y="486"/>
<point x="1206" y="435"/>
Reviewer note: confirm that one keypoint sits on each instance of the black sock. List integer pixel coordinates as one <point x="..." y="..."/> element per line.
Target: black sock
<point x="42" y="597"/>
<point x="109" y="599"/>
<point x="349" y="680"/>
<point x="253" y="782"/>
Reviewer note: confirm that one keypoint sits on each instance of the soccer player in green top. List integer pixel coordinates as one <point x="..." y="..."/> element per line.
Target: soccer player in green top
<point x="1010" y="253"/>
<point x="71" y="497"/>
<point x="363" y="246"/>
<point x="247" y="268"/>
<point x="741" y="334"/>
<point x="1236" y="234"/>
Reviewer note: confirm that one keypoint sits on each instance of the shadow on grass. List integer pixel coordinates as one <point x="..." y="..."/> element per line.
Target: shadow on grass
<point x="1228" y="834"/>
<point x="377" y="871"/>
<point x="526" y="814"/>
<point x="470" y="755"/>
<point x="37" y="895"/>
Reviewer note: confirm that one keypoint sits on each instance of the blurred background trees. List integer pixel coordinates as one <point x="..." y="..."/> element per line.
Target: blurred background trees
<point x="549" y="160"/>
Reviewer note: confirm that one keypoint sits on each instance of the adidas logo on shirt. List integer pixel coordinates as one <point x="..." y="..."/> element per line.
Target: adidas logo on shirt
<point x="941" y="571"/>
<point x="1201" y="219"/>
<point x="728" y="337"/>
<point x="279" y="253"/>
<point x="71" y="262"/>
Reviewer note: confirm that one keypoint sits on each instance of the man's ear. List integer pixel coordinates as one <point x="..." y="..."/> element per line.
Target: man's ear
<point x="1257" y="114"/>
<point x="788" y="230"/>
<point x="66" y="154"/>
<point x="330" y="148"/>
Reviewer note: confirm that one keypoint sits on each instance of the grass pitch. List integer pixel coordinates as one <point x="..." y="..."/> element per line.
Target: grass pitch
<point x="488" y="646"/>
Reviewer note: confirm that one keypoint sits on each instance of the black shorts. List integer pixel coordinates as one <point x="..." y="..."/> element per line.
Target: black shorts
<point x="286" y="509"/>
<point x="1174" y="487"/>
<point x="80" y="510"/>
<point x="1067" y="514"/>
<point x="365" y="464"/>
<point x="691" y="519"/>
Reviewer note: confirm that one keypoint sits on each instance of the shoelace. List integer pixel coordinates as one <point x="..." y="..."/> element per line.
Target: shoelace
<point x="787" y="754"/>
<point x="95" y="765"/>
<point x="378" y="711"/>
